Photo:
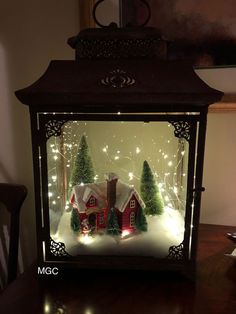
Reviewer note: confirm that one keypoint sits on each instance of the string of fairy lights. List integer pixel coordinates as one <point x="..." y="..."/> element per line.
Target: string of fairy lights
<point x="123" y="154"/>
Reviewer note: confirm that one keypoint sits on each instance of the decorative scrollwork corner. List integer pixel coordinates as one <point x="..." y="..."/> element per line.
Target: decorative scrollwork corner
<point x="176" y="252"/>
<point x="53" y="128"/>
<point x="58" y="249"/>
<point x="182" y="129"/>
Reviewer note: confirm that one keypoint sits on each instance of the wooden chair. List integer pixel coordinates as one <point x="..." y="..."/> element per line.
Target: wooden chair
<point x="12" y="196"/>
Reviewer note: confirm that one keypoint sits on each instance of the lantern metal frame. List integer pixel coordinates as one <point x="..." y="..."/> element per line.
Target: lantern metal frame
<point x="190" y="127"/>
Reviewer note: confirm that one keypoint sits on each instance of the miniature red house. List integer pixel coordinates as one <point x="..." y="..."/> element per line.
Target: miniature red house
<point x="94" y="201"/>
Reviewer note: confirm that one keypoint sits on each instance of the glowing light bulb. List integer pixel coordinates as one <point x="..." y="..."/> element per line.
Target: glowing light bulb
<point x="167" y="198"/>
<point x="88" y="311"/>
<point x="117" y="157"/>
<point x="175" y="190"/>
<point x="55" y="157"/>
<point x="50" y="194"/>
<point x="182" y="153"/>
<point x="131" y="176"/>
<point x="170" y="163"/>
<point x="86" y="239"/>
<point x="54" y="202"/>
<point x="165" y="156"/>
<point x="47" y="308"/>
<point x="105" y="149"/>
<point x="137" y="150"/>
<point x="125" y="233"/>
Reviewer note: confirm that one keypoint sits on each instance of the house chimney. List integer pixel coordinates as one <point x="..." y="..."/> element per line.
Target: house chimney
<point x="112" y="179"/>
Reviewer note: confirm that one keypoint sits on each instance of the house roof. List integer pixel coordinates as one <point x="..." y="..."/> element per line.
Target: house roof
<point x="82" y="193"/>
<point x="124" y="192"/>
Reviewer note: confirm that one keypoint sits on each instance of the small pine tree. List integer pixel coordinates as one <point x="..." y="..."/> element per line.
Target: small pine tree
<point x="150" y="192"/>
<point x="82" y="171"/>
<point x="112" y="223"/>
<point x="75" y="220"/>
<point x="141" y="222"/>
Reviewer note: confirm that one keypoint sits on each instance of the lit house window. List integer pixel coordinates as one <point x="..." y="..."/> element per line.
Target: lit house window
<point x="92" y="201"/>
<point x="132" y="219"/>
<point x="132" y="204"/>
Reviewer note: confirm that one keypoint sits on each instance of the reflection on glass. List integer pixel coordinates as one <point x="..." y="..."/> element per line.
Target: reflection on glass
<point x="117" y="188"/>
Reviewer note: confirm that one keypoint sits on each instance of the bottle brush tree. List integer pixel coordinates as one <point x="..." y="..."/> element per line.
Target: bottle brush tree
<point x="150" y="192"/>
<point x="82" y="171"/>
<point x="112" y="223"/>
<point x="75" y="220"/>
<point x="141" y="221"/>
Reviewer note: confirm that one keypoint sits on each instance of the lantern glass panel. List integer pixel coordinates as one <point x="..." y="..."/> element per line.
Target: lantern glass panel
<point x="149" y="165"/>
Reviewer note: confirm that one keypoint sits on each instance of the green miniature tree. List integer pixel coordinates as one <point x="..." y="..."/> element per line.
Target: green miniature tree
<point x="82" y="171"/>
<point x="150" y="192"/>
<point x="75" y="220"/>
<point x="112" y="223"/>
<point x="141" y="221"/>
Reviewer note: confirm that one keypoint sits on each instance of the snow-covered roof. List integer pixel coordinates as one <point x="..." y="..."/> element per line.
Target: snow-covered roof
<point x="82" y="194"/>
<point x="124" y="192"/>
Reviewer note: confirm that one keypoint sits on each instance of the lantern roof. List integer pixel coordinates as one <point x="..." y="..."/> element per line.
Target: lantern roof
<point x="119" y="70"/>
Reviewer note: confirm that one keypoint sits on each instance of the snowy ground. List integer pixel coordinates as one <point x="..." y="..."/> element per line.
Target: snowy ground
<point x="163" y="231"/>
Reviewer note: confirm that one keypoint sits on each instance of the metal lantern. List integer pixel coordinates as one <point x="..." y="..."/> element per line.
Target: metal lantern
<point x="118" y="141"/>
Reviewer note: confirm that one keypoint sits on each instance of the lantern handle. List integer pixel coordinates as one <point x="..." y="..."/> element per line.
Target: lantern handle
<point x="148" y="12"/>
<point x="114" y="24"/>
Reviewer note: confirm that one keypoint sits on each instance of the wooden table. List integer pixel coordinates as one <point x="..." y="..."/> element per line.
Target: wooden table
<point x="213" y="292"/>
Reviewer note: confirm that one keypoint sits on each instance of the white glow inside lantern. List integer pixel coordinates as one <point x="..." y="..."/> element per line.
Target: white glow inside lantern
<point x="125" y="233"/>
<point x="121" y="148"/>
<point x="47" y="308"/>
<point x="86" y="239"/>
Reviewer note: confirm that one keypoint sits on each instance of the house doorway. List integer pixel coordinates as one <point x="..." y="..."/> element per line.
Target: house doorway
<point x="92" y="221"/>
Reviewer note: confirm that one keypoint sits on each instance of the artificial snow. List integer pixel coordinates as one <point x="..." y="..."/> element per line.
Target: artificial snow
<point x="163" y="231"/>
